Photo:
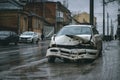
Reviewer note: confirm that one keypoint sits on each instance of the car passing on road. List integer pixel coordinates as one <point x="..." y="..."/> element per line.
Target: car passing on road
<point x="7" y="37"/>
<point x="29" y="36"/>
<point x="75" y="42"/>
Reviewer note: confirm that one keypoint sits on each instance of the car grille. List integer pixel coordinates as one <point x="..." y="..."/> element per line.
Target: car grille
<point x="23" y="39"/>
<point x="80" y="46"/>
<point x="64" y="51"/>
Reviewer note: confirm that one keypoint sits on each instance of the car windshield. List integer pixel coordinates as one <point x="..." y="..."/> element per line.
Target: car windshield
<point x="28" y="33"/>
<point x="74" y="30"/>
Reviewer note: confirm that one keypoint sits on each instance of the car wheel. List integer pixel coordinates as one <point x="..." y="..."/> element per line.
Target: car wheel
<point x="7" y="43"/>
<point x="89" y="60"/>
<point x="51" y="59"/>
<point x="32" y="41"/>
<point x="16" y="43"/>
<point x="66" y="60"/>
<point x="37" y="41"/>
<point x="100" y="52"/>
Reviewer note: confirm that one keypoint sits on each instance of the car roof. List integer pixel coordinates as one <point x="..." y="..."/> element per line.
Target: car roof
<point x="7" y="32"/>
<point x="80" y="26"/>
<point x="28" y="32"/>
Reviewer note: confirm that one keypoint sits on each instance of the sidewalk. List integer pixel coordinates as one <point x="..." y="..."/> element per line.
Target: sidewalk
<point x="46" y="40"/>
<point x="107" y="44"/>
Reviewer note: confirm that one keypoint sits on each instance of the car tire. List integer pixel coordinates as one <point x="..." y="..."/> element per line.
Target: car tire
<point x="32" y="41"/>
<point x="7" y="43"/>
<point x="89" y="60"/>
<point x="51" y="59"/>
<point x="66" y="60"/>
<point x="37" y="41"/>
<point x="16" y="43"/>
<point x="100" y="52"/>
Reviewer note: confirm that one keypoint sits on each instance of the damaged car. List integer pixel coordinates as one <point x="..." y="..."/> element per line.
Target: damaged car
<point x="75" y="42"/>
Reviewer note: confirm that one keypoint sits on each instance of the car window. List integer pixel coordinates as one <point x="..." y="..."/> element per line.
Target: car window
<point x="28" y="33"/>
<point x="4" y="33"/>
<point x="35" y="33"/>
<point x="74" y="30"/>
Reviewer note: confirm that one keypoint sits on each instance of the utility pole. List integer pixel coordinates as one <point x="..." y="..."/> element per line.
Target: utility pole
<point x="104" y="3"/>
<point x="91" y="12"/>
<point x="44" y="13"/>
<point x="107" y="23"/>
<point x="103" y="19"/>
<point x="112" y="29"/>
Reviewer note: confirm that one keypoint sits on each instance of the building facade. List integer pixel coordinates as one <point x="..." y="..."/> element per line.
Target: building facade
<point x="36" y="15"/>
<point x="84" y="18"/>
<point x="53" y="12"/>
<point x="12" y="17"/>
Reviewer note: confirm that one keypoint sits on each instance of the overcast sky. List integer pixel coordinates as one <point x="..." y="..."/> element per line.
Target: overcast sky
<point x="78" y="6"/>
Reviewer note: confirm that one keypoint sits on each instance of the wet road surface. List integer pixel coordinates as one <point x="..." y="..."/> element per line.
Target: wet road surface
<point x="21" y="54"/>
<point x="106" y="67"/>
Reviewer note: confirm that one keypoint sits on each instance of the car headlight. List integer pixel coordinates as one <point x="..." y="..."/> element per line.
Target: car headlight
<point x="29" y="38"/>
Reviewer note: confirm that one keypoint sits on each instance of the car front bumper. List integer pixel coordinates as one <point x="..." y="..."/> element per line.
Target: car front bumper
<point x="25" y="40"/>
<point x="72" y="54"/>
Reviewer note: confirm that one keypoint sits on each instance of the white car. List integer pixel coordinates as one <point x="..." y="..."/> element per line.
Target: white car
<point x="29" y="36"/>
<point x="75" y="42"/>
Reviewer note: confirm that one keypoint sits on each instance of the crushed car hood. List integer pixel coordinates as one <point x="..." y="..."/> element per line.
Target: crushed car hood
<point x="72" y="39"/>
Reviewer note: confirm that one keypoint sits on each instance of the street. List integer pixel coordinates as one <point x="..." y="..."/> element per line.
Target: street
<point x="28" y="62"/>
<point x="12" y="55"/>
<point x="77" y="30"/>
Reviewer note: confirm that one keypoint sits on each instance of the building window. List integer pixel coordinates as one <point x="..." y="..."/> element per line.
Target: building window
<point x="59" y="14"/>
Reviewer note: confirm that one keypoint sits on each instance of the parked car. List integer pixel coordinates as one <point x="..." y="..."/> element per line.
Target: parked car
<point x="29" y="36"/>
<point x="75" y="42"/>
<point x="7" y="37"/>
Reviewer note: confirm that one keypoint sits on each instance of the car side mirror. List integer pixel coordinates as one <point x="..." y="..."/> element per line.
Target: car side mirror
<point x="54" y="36"/>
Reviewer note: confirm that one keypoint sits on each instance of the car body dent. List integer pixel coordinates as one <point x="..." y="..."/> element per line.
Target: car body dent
<point x="72" y="54"/>
<point x="75" y="47"/>
<point x="71" y="39"/>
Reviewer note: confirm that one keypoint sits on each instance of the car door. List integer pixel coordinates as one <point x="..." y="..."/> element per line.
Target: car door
<point x="97" y="38"/>
<point x="14" y="37"/>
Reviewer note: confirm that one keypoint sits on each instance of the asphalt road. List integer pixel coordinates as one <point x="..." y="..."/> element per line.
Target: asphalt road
<point x="106" y="67"/>
<point x="23" y="53"/>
